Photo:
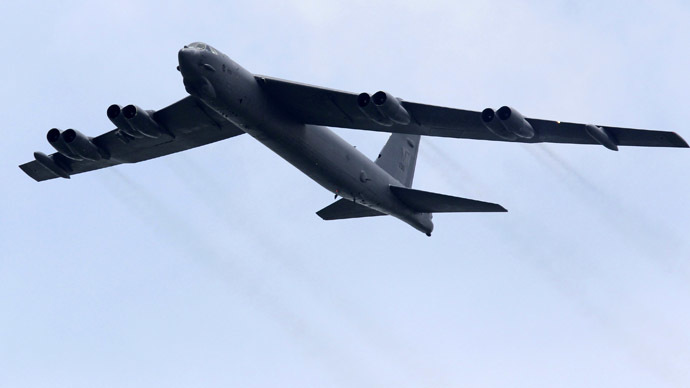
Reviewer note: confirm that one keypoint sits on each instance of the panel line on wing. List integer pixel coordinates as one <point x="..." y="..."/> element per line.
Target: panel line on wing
<point x="332" y="100"/>
<point x="203" y="108"/>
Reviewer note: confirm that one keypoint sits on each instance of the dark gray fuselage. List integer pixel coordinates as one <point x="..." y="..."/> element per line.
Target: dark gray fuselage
<point x="318" y="152"/>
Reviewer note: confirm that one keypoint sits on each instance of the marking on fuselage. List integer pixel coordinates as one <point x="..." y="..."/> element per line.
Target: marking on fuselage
<point x="405" y="160"/>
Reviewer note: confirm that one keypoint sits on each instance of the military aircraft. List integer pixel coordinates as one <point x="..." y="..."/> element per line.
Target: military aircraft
<point x="290" y="118"/>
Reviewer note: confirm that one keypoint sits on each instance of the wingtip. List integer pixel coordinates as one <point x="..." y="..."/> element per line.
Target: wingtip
<point x="496" y="208"/>
<point x="679" y="141"/>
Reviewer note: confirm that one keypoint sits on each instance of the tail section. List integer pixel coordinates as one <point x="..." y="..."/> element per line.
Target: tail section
<point x="426" y="202"/>
<point x="344" y="209"/>
<point x="399" y="157"/>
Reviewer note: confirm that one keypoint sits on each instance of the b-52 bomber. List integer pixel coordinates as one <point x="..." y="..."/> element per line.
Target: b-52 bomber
<point x="291" y="118"/>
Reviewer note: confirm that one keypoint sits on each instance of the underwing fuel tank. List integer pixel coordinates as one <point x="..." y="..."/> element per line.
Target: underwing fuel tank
<point x="49" y="163"/>
<point x="601" y="136"/>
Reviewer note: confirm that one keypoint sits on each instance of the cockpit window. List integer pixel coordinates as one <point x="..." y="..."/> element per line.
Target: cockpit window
<point x="198" y="45"/>
<point x="203" y="46"/>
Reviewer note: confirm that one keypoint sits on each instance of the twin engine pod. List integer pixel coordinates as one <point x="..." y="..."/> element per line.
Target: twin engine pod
<point x="75" y="145"/>
<point x="510" y="123"/>
<point x="383" y="109"/>
<point x="134" y="121"/>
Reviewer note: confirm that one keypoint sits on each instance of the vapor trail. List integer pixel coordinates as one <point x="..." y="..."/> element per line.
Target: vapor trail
<point x="625" y="221"/>
<point x="359" y="320"/>
<point x="570" y="171"/>
<point x="151" y="210"/>
<point x="447" y="166"/>
<point x="640" y="350"/>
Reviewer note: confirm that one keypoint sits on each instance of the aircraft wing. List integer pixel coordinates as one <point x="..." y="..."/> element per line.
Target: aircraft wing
<point x="185" y="124"/>
<point x="334" y="108"/>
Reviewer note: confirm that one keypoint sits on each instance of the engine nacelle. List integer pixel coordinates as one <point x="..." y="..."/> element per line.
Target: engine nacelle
<point x="115" y="115"/>
<point x="55" y="139"/>
<point x="141" y="121"/>
<point x="514" y="122"/>
<point x="371" y="112"/>
<point x="391" y="107"/>
<point x="82" y="145"/>
<point x="495" y="126"/>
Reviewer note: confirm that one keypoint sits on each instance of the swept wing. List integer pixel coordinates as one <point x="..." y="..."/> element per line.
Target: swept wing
<point x="334" y="108"/>
<point x="185" y="124"/>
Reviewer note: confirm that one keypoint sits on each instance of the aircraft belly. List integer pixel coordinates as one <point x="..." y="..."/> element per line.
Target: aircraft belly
<point x="313" y="151"/>
<point x="320" y="154"/>
<point x="338" y="167"/>
<point x="333" y="163"/>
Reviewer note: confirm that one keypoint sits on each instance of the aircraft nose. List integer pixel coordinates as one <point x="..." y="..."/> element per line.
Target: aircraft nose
<point x="196" y="82"/>
<point x="188" y="59"/>
<point x="185" y="57"/>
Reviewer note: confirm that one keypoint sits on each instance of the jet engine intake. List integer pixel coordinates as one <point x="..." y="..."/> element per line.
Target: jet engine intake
<point x="55" y="139"/>
<point x="141" y="121"/>
<point x="371" y="112"/>
<point x="514" y="122"/>
<point x="115" y="115"/>
<point x="391" y="107"/>
<point x="82" y="145"/>
<point x="495" y="126"/>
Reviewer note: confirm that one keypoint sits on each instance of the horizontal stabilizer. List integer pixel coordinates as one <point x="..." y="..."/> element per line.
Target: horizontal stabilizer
<point x="344" y="209"/>
<point x="426" y="202"/>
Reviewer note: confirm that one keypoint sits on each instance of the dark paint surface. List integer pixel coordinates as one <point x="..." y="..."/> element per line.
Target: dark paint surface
<point x="291" y="118"/>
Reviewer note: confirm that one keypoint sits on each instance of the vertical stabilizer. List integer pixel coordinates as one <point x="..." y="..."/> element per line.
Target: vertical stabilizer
<point x="399" y="157"/>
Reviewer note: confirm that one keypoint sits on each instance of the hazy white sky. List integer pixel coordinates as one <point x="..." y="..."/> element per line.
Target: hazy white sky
<point x="210" y="268"/>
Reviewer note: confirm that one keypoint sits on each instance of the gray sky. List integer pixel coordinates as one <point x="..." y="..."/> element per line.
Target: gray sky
<point x="210" y="267"/>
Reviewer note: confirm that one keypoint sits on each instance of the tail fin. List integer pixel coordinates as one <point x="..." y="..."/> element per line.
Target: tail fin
<point x="399" y="157"/>
<point x="426" y="202"/>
